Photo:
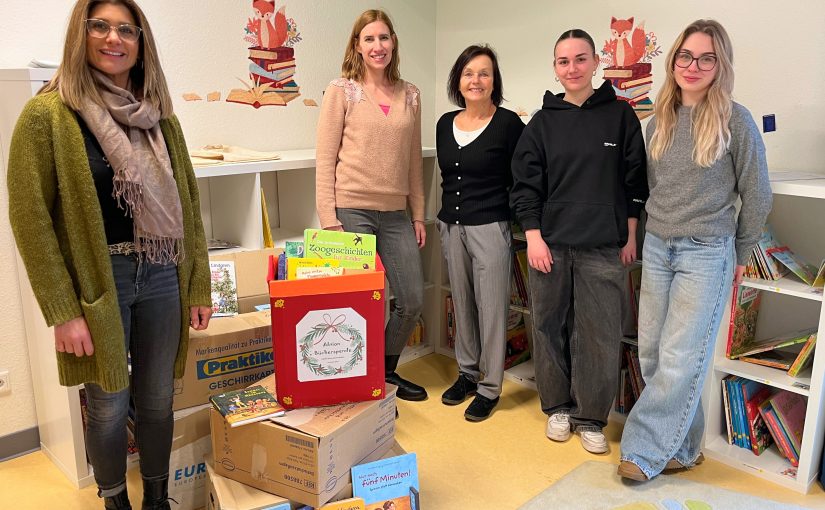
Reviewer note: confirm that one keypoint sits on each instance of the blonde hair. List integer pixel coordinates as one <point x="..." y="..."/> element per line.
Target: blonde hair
<point x="353" y="66"/>
<point x="73" y="79"/>
<point x="710" y="118"/>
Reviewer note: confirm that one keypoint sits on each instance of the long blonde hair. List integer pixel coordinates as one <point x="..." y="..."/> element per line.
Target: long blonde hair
<point x="710" y="118"/>
<point x="73" y="79"/>
<point x="353" y="66"/>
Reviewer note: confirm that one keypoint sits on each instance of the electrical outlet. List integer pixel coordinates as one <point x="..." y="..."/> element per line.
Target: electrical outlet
<point x="5" y="382"/>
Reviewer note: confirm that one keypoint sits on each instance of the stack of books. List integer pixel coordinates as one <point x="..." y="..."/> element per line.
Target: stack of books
<point x="275" y="67"/>
<point x="632" y="84"/>
<point x="757" y="416"/>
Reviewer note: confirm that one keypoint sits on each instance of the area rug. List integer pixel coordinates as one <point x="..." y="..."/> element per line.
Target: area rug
<point x="596" y="486"/>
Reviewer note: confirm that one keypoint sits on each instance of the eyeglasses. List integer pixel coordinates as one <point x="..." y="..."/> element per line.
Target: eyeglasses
<point x="704" y="62"/>
<point x="99" y="29"/>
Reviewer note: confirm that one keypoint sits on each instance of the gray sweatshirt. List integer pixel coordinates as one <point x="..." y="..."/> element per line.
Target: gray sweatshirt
<point x="689" y="200"/>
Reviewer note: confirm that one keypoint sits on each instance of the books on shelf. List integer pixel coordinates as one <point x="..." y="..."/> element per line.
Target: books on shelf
<point x="745" y="304"/>
<point x="812" y="275"/>
<point x="790" y="410"/>
<point x="224" y="288"/>
<point x="631" y="382"/>
<point x="449" y="323"/>
<point x="517" y="348"/>
<point x="248" y="405"/>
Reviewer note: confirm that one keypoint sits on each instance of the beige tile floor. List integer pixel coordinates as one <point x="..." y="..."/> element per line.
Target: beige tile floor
<point x="496" y="464"/>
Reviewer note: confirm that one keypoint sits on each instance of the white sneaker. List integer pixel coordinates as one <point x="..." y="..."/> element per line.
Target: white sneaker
<point x="593" y="442"/>
<point x="558" y="427"/>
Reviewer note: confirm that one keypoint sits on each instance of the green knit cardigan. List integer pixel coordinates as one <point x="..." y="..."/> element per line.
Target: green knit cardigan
<point x="58" y="226"/>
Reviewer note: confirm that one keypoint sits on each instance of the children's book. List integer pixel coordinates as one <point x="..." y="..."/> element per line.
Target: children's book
<point x="779" y="438"/>
<point x="392" y="480"/>
<point x="294" y="249"/>
<point x="798" y="266"/>
<point x="293" y="264"/>
<point x="779" y="358"/>
<point x="754" y="395"/>
<point x="281" y="273"/>
<point x="804" y="358"/>
<point x="353" y="250"/>
<point x="744" y="312"/>
<point x="224" y="288"/>
<point x="302" y="273"/>
<point x="248" y="405"/>
<point x="790" y="410"/>
<point x="779" y="342"/>
<point x="346" y="504"/>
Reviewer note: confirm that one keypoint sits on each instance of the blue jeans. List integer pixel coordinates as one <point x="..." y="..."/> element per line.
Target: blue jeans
<point x="398" y="249"/>
<point x="685" y="285"/>
<point x="577" y="332"/>
<point x="150" y="313"/>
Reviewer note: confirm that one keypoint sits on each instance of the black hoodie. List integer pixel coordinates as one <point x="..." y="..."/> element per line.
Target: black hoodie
<point x="580" y="172"/>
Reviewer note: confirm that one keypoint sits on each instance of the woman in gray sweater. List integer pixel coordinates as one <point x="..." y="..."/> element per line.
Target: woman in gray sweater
<point x="704" y="153"/>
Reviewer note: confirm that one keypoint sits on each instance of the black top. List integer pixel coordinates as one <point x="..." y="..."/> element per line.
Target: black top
<point x="475" y="179"/>
<point x="116" y="221"/>
<point x="580" y="172"/>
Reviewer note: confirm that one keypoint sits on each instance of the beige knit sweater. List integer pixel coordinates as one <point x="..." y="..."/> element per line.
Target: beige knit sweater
<point x="365" y="159"/>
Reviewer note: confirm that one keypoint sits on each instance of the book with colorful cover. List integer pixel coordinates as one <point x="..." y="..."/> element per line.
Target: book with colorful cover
<point x="767" y="245"/>
<point x="224" y="288"/>
<point x="798" y="266"/>
<point x="353" y="250"/>
<point x="790" y="410"/>
<point x="346" y="504"/>
<point x="303" y="273"/>
<point x="248" y="405"/>
<point x="754" y="395"/>
<point x="294" y="249"/>
<point x="781" y="359"/>
<point x="637" y="70"/>
<point x="778" y="342"/>
<point x="804" y="358"/>
<point x="779" y="437"/>
<point x="726" y="403"/>
<point x="293" y="264"/>
<point x="744" y="312"/>
<point x="387" y="480"/>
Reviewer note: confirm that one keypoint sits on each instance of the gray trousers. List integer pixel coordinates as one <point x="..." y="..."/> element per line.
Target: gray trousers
<point x="479" y="261"/>
<point x="398" y="249"/>
<point x="576" y="310"/>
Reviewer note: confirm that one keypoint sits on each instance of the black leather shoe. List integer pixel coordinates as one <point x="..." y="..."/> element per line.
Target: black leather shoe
<point x="117" y="502"/>
<point x="406" y="389"/>
<point x="462" y="388"/>
<point x="480" y="408"/>
<point x="155" y="495"/>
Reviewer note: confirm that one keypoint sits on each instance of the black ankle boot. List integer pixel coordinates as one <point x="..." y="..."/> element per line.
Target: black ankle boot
<point x="117" y="502"/>
<point x="406" y="389"/>
<point x="156" y="495"/>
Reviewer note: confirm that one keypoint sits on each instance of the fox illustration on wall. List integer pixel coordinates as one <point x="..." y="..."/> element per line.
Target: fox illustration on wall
<point x="627" y="45"/>
<point x="269" y="27"/>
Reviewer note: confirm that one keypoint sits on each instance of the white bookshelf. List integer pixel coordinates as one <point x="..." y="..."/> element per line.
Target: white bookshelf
<point x="787" y="305"/>
<point x="231" y="211"/>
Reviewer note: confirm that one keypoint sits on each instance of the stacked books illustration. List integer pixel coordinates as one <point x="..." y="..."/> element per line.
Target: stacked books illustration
<point x="272" y="72"/>
<point x="632" y="84"/>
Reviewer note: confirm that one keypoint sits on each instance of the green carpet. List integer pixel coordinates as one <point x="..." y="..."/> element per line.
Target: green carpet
<point x="595" y="485"/>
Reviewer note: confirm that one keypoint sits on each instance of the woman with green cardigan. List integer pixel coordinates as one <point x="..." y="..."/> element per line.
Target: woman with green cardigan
<point x="104" y="207"/>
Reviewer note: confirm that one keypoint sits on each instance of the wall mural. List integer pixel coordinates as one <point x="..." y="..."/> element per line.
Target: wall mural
<point x="271" y="37"/>
<point x="627" y="58"/>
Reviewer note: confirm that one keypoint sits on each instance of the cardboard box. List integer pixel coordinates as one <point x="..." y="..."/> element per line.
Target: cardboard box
<point x="305" y="455"/>
<point x="231" y="354"/>
<point x="226" y="494"/>
<point x="250" y="275"/>
<point x="187" y="470"/>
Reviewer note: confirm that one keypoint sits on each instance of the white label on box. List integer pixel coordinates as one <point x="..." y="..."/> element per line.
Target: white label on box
<point x="332" y="344"/>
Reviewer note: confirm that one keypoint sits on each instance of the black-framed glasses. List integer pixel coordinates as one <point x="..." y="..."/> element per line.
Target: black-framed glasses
<point x="100" y="29"/>
<point x="705" y="62"/>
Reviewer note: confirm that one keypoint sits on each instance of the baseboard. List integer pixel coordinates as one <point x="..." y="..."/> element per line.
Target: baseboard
<point x="19" y="443"/>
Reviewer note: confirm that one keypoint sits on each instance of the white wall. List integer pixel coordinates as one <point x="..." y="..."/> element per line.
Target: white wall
<point x="776" y="55"/>
<point x="202" y="48"/>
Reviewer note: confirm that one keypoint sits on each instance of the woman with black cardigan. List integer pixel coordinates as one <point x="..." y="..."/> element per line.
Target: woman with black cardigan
<point x="475" y="146"/>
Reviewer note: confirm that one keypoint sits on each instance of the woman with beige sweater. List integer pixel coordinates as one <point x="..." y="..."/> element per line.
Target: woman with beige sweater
<point x="369" y="169"/>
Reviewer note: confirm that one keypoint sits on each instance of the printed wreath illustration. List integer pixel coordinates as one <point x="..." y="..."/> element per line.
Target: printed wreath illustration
<point x="318" y="332"/>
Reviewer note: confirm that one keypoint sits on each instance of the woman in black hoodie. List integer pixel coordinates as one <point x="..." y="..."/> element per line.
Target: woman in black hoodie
<point x="579" y="185"/>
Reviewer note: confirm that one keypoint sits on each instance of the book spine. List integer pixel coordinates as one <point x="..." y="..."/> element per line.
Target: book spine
<point x="782" y="437"/>
<point x="726" y="404"/>
<point x="732" y="326"/>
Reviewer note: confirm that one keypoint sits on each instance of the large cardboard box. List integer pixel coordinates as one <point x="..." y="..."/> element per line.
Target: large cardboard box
<point x="305" y="455"/>
<point x="251" y="268"/>
<point x="187" y="470"/>
<point x="232" y="353"/>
